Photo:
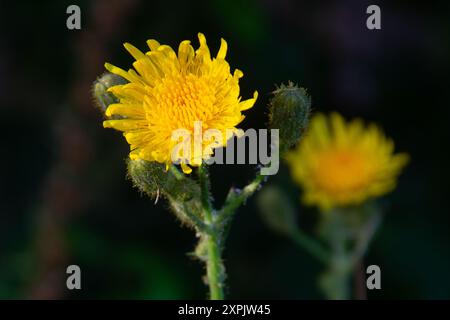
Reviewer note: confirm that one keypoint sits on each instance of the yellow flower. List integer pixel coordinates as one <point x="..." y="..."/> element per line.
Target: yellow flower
<point x="341" y="164"/>
<point x="169" y="92"/>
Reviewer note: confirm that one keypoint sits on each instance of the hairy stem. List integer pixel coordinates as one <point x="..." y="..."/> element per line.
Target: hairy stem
<point x="234" y="201"/>
<point x="335" y="282"/>
<point x="214" y="269"/>
<point x="214" y="265"/>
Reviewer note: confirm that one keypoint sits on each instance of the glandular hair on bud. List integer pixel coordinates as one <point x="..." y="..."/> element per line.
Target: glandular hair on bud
<point x="100" y="87"/>
<point x="289" y="111"/>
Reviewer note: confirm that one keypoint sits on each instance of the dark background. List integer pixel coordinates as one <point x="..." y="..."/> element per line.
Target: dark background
<point x="64" y="196"/>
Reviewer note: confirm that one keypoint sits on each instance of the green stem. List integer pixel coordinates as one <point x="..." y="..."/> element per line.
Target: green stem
<point x="178" y="175"/>
<point x="205" y="196"/>
<point x="341" y="271"/>
<point x="235" y="200"/>
<point x="344" y="259"/>
<point x="365" y="237"/>
<point x="335" y="282"/>
<point x="310" y="245"/>
<point x="214" y="266"/>
<point x="214" y="269"/>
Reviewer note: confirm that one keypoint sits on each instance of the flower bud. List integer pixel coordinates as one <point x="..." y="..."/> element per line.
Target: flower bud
<point x="100" y="87"/>
<point x="182" y="192"/>
<point x="150" y="177"/>
<point x="276" y="210"/>
<point x="289" y="112"/>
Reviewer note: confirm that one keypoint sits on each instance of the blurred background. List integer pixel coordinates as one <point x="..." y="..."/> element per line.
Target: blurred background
<point x="64" y="195"/>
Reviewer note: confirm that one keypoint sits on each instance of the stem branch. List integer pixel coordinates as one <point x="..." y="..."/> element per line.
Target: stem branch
<point x="311" y="245"/>
<point x="235" y="200"/>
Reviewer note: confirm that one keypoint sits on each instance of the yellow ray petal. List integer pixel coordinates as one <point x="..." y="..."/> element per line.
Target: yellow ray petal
<point x="135" y="52"/>
<point x="247" y="104"/>
<point x="153" y="44"/>
<point x="223" y="49"/>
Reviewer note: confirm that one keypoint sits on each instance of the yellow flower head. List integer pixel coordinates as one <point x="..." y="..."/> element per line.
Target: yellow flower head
<point x="341" y="164"/>
<point x="168" y="92"/>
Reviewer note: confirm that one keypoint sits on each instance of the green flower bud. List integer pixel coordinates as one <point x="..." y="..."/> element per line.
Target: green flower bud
<point x="276" y="210"/>
<point x="182" y="192"/>
<point x="289" y="112"/>
<point x="101" y="96"/>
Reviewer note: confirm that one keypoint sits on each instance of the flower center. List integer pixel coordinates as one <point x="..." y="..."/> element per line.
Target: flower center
<point x="184" y="98"/>
<point x="343" y="171"/>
